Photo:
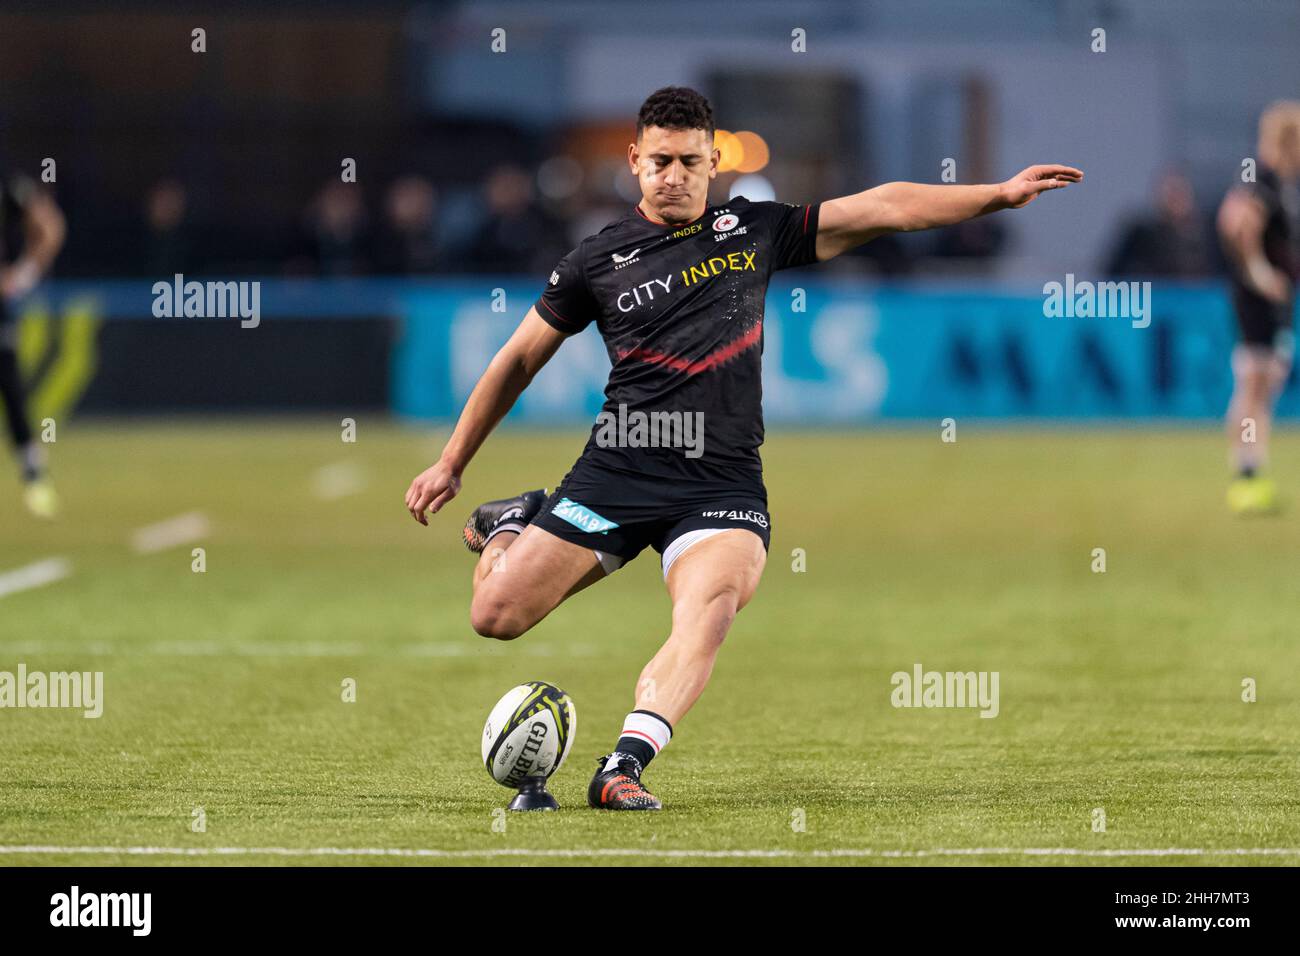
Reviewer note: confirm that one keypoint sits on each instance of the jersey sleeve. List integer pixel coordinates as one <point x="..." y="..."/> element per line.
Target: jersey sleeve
<point x="794" y="234"/>
<point x="566" y="303"/>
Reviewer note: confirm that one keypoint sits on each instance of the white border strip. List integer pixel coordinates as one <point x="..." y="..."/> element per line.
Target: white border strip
<point x="338" y="480"/>
<point x="183" y="529"/>
<point x="628" y="852"/>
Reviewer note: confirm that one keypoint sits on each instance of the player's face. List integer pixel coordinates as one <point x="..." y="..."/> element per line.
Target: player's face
<point x="674" y="167"/>
<point x="1291" y="150"/>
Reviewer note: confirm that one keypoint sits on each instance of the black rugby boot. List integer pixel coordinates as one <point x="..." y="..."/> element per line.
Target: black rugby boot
<point x="507" y="514"/>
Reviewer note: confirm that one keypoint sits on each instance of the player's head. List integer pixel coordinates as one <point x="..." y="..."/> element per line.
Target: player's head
<point x="1279" y="137"/>
<point x="673" y="157"/>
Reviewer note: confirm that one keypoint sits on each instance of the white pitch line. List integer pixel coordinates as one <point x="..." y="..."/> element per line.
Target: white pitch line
<point x="339" y="480"/>
<point x="34" y="575"/>
<point x="168" y="534"/>
<point x="629" y="852"/>
<point x="313" y="649"/>
<point x="316" y="649"/>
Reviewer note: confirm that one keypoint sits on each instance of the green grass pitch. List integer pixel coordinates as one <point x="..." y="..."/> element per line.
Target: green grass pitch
<point x="1119" y="690"/>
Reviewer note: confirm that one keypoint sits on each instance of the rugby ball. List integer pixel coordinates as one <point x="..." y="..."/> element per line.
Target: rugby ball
<point x="528" y="733"/>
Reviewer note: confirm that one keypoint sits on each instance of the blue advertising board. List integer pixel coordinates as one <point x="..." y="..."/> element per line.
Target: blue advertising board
<point x="835" y="352"/>
<point x="852" y="353"/>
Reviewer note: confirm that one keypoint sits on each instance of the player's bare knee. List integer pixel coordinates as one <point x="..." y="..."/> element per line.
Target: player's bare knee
<point x="497" y="619"/>
<point x="502" y="628"/>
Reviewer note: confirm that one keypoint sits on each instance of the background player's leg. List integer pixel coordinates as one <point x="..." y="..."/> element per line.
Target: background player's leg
<point x="31" y="456"/>
<point x="11" y="393"/>
<point x="520" y="578"/>
<point x="1258" y="375"/>
<point x="1279" y="370"/>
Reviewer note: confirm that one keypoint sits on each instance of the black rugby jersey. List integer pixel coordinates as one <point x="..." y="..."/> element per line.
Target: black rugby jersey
<point x="15" y="193"/>
<point x="680" y="308"/>
<point x="1281" y="240"/>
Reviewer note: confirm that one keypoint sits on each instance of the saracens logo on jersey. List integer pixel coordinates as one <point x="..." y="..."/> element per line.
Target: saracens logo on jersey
<point x="725" y="227"/>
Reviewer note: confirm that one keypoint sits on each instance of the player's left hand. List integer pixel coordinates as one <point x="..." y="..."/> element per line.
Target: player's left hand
<point x="1024" y="187"/>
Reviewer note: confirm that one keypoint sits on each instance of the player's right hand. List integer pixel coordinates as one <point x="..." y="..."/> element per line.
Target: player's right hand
<point x="19" y="279"/>
<point x="430" y="490"/>
<point x="1268" y="281"/>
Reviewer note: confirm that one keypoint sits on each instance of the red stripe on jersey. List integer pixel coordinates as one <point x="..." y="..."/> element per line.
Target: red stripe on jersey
<point x="554" y="313"/>
<point x="680" y="364"/>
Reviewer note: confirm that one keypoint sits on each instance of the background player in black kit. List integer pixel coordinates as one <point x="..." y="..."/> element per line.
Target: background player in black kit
<point x="1259" y="224"/>
<point x="676" y="288"/>
<point x="31" y="234"/>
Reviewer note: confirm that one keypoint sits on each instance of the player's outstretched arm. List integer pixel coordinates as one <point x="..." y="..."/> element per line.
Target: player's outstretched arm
<point x="508" y="374"/>
<point x="850" y="221"/>
<point x="44" y="229"/>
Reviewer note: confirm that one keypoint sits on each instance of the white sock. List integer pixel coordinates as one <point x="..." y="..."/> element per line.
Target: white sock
<point x="515" y="526"/>
<point x="644" y="735"/>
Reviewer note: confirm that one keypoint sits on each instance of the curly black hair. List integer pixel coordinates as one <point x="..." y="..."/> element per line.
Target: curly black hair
<point x="675" y="107"/>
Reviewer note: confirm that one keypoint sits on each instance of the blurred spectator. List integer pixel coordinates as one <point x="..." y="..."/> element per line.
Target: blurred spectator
<point x="406" y="244"/>
<point x="884" y="256"/>
<point x="1172" y="241"/>
<point x="517" y="235"/>
<point x="981" y="238"/>
<point x="167" y="244"/>
<point x="334" y="239"/>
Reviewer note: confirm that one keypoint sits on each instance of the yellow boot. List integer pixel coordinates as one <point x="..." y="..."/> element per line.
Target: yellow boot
<point x="1252" y="496"/>
<point x="41" y="500"/>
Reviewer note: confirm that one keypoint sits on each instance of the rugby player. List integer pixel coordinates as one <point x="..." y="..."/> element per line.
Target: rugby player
<point x="676" y="288"/>
<point x="31" y="234"/>
<point x="1259" y="225"/>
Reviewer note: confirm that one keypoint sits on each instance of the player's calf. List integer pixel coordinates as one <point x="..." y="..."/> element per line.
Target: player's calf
<point x="709" y="585"/>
